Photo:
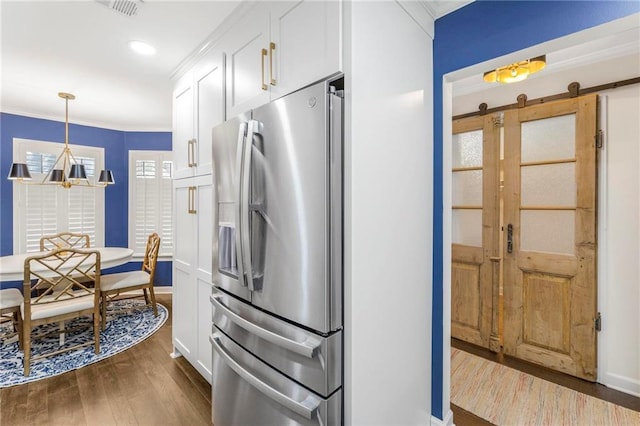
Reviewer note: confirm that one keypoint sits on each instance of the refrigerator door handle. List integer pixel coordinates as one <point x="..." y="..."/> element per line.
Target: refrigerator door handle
<point x="306" y="408"/>
<point x="242" y="132"/>
<point x="307" y="348"/>
<point x="245" y="207"/>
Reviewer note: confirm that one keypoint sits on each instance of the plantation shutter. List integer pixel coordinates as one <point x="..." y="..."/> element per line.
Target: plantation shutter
<point x="82" y="204"/>
<point x="146" y="200"/>
<point x="40" y="214"/>
<point x="166" y="225"/>
<point x="150" y="200"/>
<point x="45" y="209"/>
<point x="82" y="212"/>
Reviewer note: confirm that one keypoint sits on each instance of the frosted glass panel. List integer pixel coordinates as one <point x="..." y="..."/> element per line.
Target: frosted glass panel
<point x="549" y="185"/>
<point x="467" y="227"/>
<point x="548" y="231"/>
<point x="467" y="188"/>
<point x="549" y="138"/>
<point x="467" y="149"/>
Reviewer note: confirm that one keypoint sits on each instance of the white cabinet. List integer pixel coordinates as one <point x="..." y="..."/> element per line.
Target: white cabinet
<point x="308" y="47"/>
<point x="182" y="125"/>
<point x="246" y="47"/>
<point x="193" y="203"/>
<point x="273" y="49"/>
<point x="279" y="47"/>
<point x="198" y="105"/>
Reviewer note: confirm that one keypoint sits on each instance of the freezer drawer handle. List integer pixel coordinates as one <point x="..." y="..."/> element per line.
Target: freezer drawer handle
<point x="306" y="408"/>
<point x="307" y="348"/>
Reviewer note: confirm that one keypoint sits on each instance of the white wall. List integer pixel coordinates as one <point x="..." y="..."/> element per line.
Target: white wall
<point x="388" y="214"/>
<point x="619" y="204"/>
<point x="619" y="245"/>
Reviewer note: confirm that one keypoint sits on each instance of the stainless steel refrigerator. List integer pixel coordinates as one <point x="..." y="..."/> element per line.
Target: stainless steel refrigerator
<point x="277" y="263"/>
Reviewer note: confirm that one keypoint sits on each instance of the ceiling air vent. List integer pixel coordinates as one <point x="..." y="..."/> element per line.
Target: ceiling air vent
<point x="123" y="7"/>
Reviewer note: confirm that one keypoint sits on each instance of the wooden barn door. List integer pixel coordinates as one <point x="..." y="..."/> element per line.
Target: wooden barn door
<point x="475" y="221"/>
<point x="550" y="235"/>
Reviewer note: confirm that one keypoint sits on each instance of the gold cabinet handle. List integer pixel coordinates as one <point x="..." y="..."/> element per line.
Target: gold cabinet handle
<point x="192" y="200"/>
<point x="194" y="163"/>
<point x="189" y="153"/>
<point x="272" y="47"/>
<point x="263" y="55"/>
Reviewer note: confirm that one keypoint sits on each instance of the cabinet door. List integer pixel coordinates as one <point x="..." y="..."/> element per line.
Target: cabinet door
<point x="204" y="222"/>
<point x="209" y="92"/>
<point x="184" y="289"/>
<point x="306" y="35"/>
<point x="183" y="126"/>
<point x="204" y="329"/>
<point x="246" y="83"/>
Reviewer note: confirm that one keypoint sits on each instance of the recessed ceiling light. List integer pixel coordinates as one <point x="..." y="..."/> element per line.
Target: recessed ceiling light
<point x="141" y="47"/>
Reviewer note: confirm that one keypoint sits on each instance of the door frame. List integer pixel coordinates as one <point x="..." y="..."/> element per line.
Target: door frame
<point x="571" y="40"/>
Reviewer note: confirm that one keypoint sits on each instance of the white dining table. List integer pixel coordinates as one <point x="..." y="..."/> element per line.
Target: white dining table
<point x="12" y="266"/>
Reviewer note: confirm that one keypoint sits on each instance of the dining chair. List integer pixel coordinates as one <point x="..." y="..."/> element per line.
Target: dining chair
<point x="10" y="301"/>
<point x="112" y="285"/>
<point x="64" y="239"/>
<point x="56" y="289"/>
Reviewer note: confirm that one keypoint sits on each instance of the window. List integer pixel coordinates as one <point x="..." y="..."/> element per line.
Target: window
<point x="150" y="174"/>
<point x="48" y="209"/>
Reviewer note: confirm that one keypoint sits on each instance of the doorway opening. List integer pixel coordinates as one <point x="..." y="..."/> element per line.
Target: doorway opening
<point x="524" y="233"/>
<point x="611" y="292"/>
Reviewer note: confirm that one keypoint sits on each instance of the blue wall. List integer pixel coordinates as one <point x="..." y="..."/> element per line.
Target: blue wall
<point x="116" y="144"/>
<point x="476" y="33"/>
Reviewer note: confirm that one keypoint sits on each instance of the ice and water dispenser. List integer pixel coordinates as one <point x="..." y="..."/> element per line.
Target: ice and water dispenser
<point x="227" y="261"/>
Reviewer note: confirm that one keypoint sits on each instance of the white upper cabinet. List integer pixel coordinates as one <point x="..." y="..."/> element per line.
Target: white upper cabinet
<point x="279" y="47"/>
<point x="247" y="45"/>
<point x="306" y="35"/>
<point x="210" y="108"/>
<point x="199" y="105"/>
<point x="182" y="124"/>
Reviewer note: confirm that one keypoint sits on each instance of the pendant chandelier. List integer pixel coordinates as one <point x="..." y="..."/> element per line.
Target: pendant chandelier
<point x="66" y="171"/>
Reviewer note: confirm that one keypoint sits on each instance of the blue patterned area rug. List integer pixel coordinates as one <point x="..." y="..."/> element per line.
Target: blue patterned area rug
<point x="121" y="332"/>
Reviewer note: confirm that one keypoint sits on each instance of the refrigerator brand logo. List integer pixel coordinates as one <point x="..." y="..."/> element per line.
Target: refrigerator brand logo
<point x="312" y="102"/>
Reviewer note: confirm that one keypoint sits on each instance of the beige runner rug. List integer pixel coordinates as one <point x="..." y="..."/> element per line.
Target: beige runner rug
<point x="504" y="396"/>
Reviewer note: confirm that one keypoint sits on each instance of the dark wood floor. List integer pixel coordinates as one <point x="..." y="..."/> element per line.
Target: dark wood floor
<point x="140" y="386"/>
<point x="464" y="418"/>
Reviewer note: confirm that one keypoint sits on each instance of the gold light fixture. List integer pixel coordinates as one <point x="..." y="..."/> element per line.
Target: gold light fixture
<point x="517" y="71"/>
<point x="66" y="171"/>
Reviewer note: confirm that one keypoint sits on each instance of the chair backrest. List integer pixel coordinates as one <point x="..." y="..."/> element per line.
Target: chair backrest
<point x="151" y="255"/>
<point x="59" y="275"/>
<point x="64" y="240"/>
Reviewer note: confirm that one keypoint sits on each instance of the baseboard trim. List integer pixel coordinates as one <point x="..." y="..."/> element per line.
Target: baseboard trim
<point x="622" y="384"/>
<point x="447" y="421"/>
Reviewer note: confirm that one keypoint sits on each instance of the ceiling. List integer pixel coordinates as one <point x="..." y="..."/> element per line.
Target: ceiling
<point x="80" y="47"/>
